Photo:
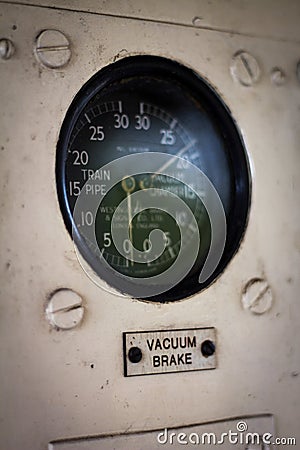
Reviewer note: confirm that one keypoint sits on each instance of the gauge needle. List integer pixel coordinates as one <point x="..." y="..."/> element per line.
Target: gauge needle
<point x="128" y="185"/>
<point x="168" y="163"/>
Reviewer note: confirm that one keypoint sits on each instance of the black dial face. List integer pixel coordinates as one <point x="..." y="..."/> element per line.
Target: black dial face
<point x="147" y="145"/>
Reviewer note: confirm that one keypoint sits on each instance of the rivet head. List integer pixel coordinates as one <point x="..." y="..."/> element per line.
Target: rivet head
<point x="244" y="68"/>
<point x="278" y="76"/>
<point x="52" y="49"/>
<point x="7" y="49"/>
<point x="208" y="348"/>
<point x="257" y="296"/>
<point x="197" y="21"/>
<point x="64" y="310"/>
<point x="135" y="355"/>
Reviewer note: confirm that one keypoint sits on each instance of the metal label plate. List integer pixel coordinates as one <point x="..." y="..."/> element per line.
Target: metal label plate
<point x="166" y="351"/>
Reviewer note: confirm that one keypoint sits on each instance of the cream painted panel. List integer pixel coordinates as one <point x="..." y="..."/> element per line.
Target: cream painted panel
<point x="277" y="19"/>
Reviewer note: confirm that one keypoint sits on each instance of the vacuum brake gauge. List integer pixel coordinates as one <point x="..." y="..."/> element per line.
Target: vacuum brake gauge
<point x="152" y="179"/>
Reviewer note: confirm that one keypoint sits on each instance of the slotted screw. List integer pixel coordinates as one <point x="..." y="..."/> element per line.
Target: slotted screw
<point x="7" y="49"/>
<point x="257" y="296"/>
<point x="52" y="49"/>
<point x="64" y="310"/>
<point x="244" y="68"/>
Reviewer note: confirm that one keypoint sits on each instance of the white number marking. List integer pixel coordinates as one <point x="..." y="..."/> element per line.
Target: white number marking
<point x="97" y="133"/>
<point x="87" y="218"/>
<point x="142" y="122"/>
<point x="126" y="245"/>
<point x="168" y="137"/>
<point x="121" y="121"/>
<point x="106" y="240"/>
<point x="74" y="188"/>
<point x="80" y="158"/>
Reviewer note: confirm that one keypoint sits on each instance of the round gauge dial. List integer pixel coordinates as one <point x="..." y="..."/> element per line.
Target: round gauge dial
<point x="147" y="145"/>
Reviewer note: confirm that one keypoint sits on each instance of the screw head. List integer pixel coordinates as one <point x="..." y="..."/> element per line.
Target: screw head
<point x="135" y="355"/>
<point x="244" y="68"/>
<point x="64" y="309"/>
<point x="52" y="49"/>
<point x="278" y="76"/>
<point x="7" y="49"/>
<point x="257" y="296"/>
<point x="208" y="348"/>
